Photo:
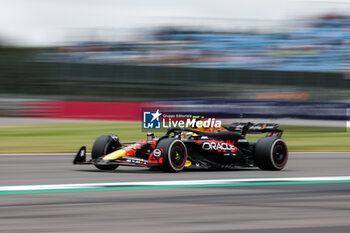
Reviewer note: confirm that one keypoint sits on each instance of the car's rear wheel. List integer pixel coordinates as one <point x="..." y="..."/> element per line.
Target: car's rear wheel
<point x="271" y="153"/>
<point x="102" y="146"/>
<point x="174" y="154"/>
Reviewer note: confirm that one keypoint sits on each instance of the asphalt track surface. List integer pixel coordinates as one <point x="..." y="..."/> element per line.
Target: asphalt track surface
<point x="322" y="207"/>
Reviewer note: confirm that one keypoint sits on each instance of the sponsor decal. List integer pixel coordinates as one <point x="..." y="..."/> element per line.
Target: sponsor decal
<point x="157" y="152"/>
<point x="82" y="153"/>
<point x="219" y="146"/>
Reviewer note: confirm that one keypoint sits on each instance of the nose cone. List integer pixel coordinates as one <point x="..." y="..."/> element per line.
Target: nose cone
<point x="119" y="153"/>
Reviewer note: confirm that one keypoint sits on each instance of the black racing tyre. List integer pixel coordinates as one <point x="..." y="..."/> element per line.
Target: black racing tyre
<point x="271" y="153"/>
<point x="174" y="154"/>
<point x="104" y="145"/>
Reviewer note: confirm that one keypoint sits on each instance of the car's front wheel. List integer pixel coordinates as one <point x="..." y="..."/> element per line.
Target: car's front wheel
<point x="174" y="154"/>
<point x="103" y="146"/>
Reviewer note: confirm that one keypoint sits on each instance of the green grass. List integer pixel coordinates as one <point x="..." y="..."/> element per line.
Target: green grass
<point x="64" y="137"/>
<point x="68" y="137"/>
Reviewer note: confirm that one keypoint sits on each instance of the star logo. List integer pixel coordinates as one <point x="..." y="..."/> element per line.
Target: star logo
<point x="156" y="115"/>
<point x="151" y="120"/>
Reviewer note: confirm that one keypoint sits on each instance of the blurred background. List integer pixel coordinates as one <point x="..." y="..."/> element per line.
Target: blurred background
<point x="72" y="70"/>
<point x="58" y="58"/>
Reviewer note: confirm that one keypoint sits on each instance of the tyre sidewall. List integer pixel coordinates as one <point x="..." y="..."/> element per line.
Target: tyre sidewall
<point x="264" y="153"/>
<point x="285" y="160"/>
<point x="99" y="149"/>
<point x="166" y="145"/>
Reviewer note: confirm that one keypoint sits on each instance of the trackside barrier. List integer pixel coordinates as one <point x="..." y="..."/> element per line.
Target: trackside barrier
<point x="261" y="109"/>
<point x="119" y="111"/>
<point x="132" y="111"/>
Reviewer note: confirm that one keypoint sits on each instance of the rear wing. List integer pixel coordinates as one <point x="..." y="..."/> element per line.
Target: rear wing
<point x="255" y="128"/>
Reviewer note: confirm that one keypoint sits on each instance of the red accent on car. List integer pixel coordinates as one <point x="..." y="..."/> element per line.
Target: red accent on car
<point x="152" y="159"/>
<point x="198" y="142"/>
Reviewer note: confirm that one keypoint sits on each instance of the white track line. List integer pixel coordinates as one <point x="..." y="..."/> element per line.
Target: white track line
<point x="167" y="183"/>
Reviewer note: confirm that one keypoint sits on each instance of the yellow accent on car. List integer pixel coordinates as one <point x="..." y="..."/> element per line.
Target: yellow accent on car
<point x="119" y="153"/>
<point x="115" y="155"/>
<point x="188" y="163"/>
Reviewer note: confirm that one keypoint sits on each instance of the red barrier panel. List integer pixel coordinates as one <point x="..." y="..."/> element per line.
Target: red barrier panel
<point x="130" y="111"/>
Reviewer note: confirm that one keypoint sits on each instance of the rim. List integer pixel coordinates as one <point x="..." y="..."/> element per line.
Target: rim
<point x="279" y="154"/>
<point x="178" y="155"/>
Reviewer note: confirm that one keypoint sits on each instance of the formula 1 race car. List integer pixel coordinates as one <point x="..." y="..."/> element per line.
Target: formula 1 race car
<point x="183" y="148"/>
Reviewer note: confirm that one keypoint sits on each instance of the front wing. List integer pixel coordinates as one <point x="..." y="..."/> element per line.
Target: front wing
<point x="80" y="159"/>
